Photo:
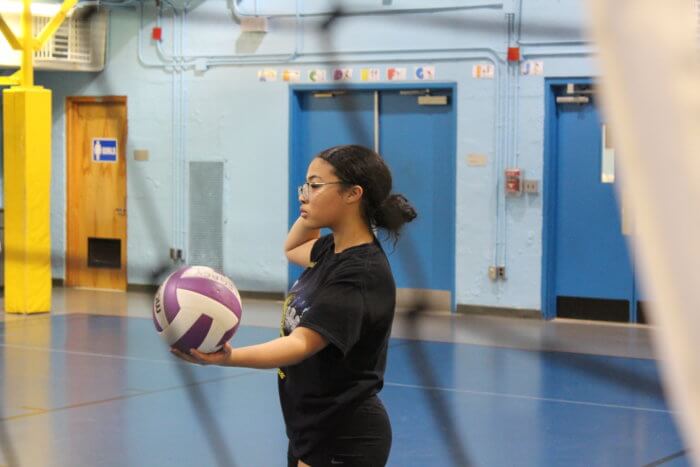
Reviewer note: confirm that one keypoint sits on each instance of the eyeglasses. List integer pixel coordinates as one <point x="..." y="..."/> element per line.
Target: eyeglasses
<point x="304" y="190"/>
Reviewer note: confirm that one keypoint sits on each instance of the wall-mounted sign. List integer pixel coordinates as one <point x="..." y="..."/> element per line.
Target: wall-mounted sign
<point x="291" y="75"/>
<point x="532" y="67"/>
<point x="370" y="74"/>
<point x="104" y="150"/>
<point x="317" y="76"/>
<point x="342" y="74"/>
<point x="396" y="74"/>
<point x="425" y="73"/>
<point x="268" y="74"/>
<point x="483" y="71"/>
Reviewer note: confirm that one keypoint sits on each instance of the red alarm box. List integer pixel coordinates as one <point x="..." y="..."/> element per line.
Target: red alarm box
<point x="514" y="181"/>
<point x="157" y="33"/>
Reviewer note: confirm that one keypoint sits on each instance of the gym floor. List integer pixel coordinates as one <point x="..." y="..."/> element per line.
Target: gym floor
<point x="91" y="384"/>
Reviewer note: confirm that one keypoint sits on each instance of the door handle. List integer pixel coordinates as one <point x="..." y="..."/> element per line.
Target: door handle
<point x="120" y="211"/>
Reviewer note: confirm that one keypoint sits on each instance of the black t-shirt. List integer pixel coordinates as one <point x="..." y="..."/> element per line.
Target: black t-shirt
<point x="349" y="299"/>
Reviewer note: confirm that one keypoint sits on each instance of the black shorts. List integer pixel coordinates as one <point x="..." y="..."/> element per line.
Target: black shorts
<point x="362" y="439"/>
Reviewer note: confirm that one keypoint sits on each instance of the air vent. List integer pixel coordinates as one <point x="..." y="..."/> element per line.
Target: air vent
<point x="206" y="244"/>
<point x="77" y="45"/>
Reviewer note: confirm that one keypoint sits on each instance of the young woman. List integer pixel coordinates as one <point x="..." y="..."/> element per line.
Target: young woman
<point x="337" y="317"/>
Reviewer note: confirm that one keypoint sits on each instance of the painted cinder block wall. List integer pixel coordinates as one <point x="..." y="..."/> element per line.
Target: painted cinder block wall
<point x="213" y="107"/>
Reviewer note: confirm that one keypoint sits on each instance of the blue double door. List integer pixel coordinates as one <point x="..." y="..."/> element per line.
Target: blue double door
<point x="418" y="144"/>
<point x="592" y="269"/>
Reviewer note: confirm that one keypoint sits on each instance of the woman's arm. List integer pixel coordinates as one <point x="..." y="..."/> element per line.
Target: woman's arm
<point x="301" y="344"/>
<point x="300" y="240"/>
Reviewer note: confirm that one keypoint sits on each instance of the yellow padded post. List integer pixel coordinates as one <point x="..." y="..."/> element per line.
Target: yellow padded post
<point x="27" y="159"/>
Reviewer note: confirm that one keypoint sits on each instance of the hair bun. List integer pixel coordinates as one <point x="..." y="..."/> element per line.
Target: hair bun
<point x="400" y="204"/>
<point x="394" y="212"/>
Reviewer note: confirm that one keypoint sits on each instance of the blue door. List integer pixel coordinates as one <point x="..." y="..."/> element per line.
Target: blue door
<point x="418" y="144"/>
<point x="322" y="120"/>
<point x="592" y="269"/>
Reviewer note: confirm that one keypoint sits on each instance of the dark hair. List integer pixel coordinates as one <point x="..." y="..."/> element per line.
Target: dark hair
<point x="358" y="165"/>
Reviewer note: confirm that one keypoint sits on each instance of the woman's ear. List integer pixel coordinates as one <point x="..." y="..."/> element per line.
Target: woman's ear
<point x="354" y="194"/>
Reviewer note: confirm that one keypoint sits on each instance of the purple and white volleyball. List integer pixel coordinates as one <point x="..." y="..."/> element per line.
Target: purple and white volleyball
<point x="197" y="308"/>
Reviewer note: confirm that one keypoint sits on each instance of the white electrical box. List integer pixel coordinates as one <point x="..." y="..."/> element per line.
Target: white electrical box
<point x="531" y="186"/>
<point x="254" y="24"/>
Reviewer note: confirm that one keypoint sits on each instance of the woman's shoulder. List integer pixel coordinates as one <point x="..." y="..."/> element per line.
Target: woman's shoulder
<point x="323" y="246"/>
<point x="369" y="263"/>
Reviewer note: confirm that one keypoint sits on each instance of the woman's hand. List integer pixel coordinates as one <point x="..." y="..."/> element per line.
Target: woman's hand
<point x="221" y="357"/>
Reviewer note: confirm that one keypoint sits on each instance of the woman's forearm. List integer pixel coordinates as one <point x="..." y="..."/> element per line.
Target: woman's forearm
<point x="283" y="351"/>
<point x="300" y="234"/>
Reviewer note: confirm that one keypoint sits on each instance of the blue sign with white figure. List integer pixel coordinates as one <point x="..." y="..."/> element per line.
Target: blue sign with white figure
<point x="104" y="150"/>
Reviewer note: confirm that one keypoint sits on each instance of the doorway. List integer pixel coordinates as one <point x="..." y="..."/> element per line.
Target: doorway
<point x="96" y="134"/>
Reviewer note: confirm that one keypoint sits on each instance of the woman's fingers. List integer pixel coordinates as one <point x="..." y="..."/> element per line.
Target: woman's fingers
<point x="200" y="358"/>
<point x="183" y="356"/>
<point x="209" y="358"/>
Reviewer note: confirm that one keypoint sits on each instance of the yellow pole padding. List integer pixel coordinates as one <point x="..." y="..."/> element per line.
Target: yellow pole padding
<point x="27" y="164"/>
<point x="54" y="24"/>
<point x="9" y="35"/>
<point x="27" y="160"/>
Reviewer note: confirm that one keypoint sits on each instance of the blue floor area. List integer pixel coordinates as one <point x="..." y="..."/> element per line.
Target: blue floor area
<point x="84" y="390"/>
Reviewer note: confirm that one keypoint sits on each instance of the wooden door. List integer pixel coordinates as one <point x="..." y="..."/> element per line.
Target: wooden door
<point x="96" y="134"/>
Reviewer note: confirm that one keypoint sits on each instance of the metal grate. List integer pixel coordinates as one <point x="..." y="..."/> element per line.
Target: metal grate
<point x="206" y="214"/>
<point x="78" y="43"/>
<point x="104" y="253"/>
<point x="71" y="42"/>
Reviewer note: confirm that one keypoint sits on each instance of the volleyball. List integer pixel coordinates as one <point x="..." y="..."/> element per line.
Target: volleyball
<point x="197" y="308"/>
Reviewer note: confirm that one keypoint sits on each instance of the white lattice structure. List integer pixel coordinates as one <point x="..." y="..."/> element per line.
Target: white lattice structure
<point x="78" y="44"/>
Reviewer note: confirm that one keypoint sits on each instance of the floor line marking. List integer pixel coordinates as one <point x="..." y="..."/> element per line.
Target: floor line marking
<point x="128" y="396"/>
<point x="534" y="398"/>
